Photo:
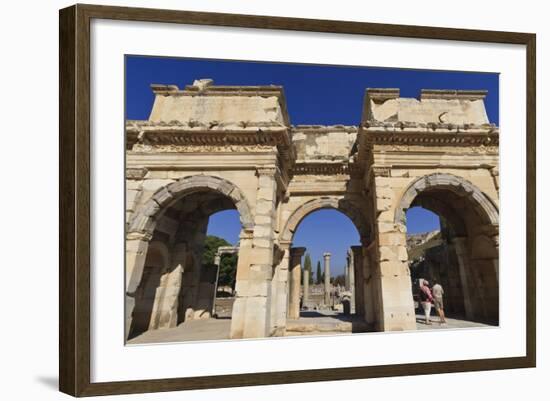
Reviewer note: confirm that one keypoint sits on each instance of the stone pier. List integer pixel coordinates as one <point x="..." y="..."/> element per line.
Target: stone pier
<point x="305" y="299"/>
<point x="294" y="283"/>
<point x="326" y="257"/>
<point x="351" y="284"/>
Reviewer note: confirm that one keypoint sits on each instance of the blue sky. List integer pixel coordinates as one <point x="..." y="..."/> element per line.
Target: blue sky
<point x="315" y="94"/>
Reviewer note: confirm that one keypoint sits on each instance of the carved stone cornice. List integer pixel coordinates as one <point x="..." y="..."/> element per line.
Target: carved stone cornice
<point x="429" y="134"/>
<point x="182" y="134"/>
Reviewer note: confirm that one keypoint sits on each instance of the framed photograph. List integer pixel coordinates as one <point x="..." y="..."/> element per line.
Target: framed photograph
<point x="249" y="200"/>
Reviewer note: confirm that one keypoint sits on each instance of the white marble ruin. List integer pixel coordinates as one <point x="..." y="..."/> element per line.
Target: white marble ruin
<point x="207" y="148"/>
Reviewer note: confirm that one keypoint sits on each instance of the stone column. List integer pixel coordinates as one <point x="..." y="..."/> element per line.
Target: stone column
<point x="347" y="272"/>
<point x="326" y="257"/>
<point x="351" y="272"/>
<point x="253" y="302"/>
<point x="217" y="261"/>
<point x="305" y="298"/>
<point x="368" y="290"/>
<point x="359" y="280"/>
<point x="136" y="252"/>
<point x="460" y="247"/>
<point x="295" y="278"/>
<point x="496" y="242"/>
<point x="279" y="291"/>
<point x="165" y="309"/>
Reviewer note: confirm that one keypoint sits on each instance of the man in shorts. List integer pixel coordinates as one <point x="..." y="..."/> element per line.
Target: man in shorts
<point x="437" y="292"/>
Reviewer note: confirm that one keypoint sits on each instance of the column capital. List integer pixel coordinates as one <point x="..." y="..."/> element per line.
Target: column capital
<point x="327" y="255"/>
<point x="356" y="249"/>
<point x="297" y="252"/>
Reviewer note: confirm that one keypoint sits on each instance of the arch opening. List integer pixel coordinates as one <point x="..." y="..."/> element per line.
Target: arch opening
<point x="189" y="226"/>
<point x="326" y="275"/>
<point x="461" y="255"/>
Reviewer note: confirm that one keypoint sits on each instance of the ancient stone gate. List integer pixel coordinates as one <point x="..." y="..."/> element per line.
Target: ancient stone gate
<point x="208" y="148"/>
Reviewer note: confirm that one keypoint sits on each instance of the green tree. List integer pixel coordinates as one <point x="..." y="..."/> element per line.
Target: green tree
<point x="228" y="263"/>
<point x="318" y="276"/>
<point x="307" y="266"/>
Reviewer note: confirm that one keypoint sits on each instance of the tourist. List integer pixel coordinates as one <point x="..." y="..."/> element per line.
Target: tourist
<point x="426" y="299"/>
<point x="437" y="291"/>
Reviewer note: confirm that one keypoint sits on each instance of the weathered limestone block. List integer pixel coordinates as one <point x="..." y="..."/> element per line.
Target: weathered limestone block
<point x="136" y="253"/>
<point x="152" y="185"/>
<point x="321" y="144"/>
<point x="383" y="204"/>
<point x="210" y="106"/>
<point x="165" y="309"/>
<point x="452" y="107"/>
<point x="254" y="278"/>
<point x="279" y="292"/>
<point x="391" y="239"/>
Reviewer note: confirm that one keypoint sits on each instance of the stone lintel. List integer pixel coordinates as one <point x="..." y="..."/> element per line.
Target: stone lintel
<point x="323" y="129"/>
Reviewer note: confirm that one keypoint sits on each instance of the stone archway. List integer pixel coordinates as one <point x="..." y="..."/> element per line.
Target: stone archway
<point x="148" y="299"/>
<point x="342" y="205"/>
<point x="453" y="183"/>
<point x="470" y="240"/>
<point x="143" y="220"/>
<point x="287" y="273"/>
<point x="141" y="230"/>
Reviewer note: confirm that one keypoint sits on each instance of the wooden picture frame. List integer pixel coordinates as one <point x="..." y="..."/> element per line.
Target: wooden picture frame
<point x="75" y="207"/>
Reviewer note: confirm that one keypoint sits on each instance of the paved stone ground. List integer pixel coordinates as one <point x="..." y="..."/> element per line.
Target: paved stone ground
<point x="451" y="323"/>
<point x="310" y="323"/>
<point x="194" y="330"/>
<point x="324" y="322"/>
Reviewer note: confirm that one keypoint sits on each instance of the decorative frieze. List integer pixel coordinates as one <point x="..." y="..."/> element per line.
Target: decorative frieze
<point x="430" y="134"/>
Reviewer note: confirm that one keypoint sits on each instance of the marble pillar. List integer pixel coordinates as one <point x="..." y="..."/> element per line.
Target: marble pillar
<point x="359" y="279"/>
<point x="328" y="300"/>
<point x="305" y="298"/>
<point x="294" y="282"/>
